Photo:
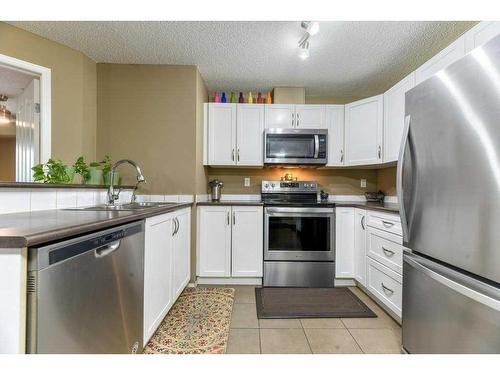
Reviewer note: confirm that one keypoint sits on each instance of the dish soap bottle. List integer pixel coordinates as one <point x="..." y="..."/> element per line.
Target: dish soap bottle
<point x="250" y="98"/>
<point x="223" y="98"/>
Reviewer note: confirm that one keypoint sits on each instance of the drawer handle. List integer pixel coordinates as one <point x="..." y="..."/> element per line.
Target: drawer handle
<point x="388" y="252"/>
<point x="387" y="224"/>
<point x="386" y="289"/>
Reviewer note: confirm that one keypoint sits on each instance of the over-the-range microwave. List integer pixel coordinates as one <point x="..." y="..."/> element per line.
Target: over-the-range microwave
<point x="296" y="146"/>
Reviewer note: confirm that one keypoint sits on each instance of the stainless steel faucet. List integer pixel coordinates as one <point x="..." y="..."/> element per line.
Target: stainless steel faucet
<point x="112" y="196"/>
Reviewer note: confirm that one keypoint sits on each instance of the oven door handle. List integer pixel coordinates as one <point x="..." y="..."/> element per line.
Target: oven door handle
<point x="298" y="210"/>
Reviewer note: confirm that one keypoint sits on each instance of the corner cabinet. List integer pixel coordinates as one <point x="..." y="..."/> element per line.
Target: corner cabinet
<point x="334" y="117"/>
<point x="235" y="133"/>
<point x="363" y="131"/>
<point x="230" y="241"/>
<point x="166" y="265"/>
<point x="394" y="117"/>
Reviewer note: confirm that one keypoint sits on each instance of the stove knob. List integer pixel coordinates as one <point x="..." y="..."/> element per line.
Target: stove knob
<point x="272" y="185"/>
<point x="266" y="186"/>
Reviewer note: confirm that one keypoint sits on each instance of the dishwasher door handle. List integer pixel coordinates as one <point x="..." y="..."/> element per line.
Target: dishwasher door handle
<point x="106" y="250"/>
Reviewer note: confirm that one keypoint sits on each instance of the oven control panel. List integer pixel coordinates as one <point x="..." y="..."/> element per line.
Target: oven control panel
<point x="289" y="187"/>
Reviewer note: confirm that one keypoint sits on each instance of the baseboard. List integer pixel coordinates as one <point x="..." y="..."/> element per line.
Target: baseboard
<point x="229" y="280"/>
<point x="344" y="282"/>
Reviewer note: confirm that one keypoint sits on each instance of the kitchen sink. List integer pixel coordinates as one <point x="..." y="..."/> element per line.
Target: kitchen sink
<point x="123" y="206"/>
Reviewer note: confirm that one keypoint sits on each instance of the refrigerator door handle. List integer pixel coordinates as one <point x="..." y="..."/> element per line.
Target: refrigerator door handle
<point x="464" y="285"/>
<point x="399" y="178"/>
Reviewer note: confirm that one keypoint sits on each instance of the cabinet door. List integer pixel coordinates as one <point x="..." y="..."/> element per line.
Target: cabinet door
<point x="394" y="117"/>
<point x="447" y="56"/>
<point x="279" y="116"/>
<point x="214" y="241"/>
<point x="334" y="115"/>
<point x="363" y="131"/>
<point x="480" y="34"/>
<point x="249" y="134"/>
<point x="310" y="117"/>
<point x="360" y="245"/>
<point x="247" y="241"/>
<point x="344" y="245"/>
<point x="181" y="256"/>
<point x="221" y="134"/>
<point x="157" y="272"/>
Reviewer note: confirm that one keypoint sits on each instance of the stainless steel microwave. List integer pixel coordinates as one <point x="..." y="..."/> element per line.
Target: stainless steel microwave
<point x="296" y="146"/>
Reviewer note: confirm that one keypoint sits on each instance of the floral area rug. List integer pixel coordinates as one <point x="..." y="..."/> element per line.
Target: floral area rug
<point x="198" y="323"/>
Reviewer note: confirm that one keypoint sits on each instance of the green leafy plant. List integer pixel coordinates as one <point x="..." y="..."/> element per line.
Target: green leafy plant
<point x="106" y="164"/>
<point x="82" y="168"/>
<point x="52" y="172"/>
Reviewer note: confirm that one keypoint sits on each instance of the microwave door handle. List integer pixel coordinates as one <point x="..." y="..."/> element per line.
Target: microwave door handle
<point x="316" y="146"/>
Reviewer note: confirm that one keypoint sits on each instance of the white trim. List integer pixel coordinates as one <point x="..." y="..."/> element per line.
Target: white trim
<point x="344" y="282"/>
<point x="45" y="75"/>
<point x="229" y="280"/>
<point x="240" y="197"/>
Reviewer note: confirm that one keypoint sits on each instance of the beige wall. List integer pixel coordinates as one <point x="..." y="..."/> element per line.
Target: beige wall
<point x="386" y="180"/>
<point x="153" y="114"/>
<point x="333" y="181"/>
<point x="7" y="158"/>
<point x="331" y="99"/>
<point x="74" y="116"/>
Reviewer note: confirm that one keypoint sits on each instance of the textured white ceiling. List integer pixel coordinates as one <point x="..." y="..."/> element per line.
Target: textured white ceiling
<point x="13" y="82"/>
<point x="348" y="59"/>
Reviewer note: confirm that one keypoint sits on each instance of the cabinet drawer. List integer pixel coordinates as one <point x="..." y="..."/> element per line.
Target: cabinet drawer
<point x="386" y="285"/>
<point x="386" y="248"/>
<point x="384" y="221"/>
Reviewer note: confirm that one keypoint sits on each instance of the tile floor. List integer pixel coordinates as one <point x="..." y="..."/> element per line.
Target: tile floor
<point x="249" y="335"/>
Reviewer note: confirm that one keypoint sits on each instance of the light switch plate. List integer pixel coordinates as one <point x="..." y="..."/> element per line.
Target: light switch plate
<point x="247" y="181"/>
<point x="363" y="183"/>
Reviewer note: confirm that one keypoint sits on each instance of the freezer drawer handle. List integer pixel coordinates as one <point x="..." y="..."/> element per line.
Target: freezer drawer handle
<point x="387" y="224"/>
<point x="387" y="290"/>
<point x="103" y="251"/>
<point x="388" y="252"/>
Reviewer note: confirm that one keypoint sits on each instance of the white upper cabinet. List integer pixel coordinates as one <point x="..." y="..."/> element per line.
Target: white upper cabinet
<point x="310" y="117"/>
<point x="221" y="134"/>
<point x="247" y="241"/>
<point x="181" y="251"/>
<point x="480" y="34"/>
<point x="363" y="131"/>
<point x="334" y="119"/>
<point x="280" y="116"/>
<point x="249" y="134"/>
<point x="360" y="245"/>
<point x="447" y="56"/>
<point x="344" y="243"/>
<point x="214" y="241"/>
<point x="394" y="116"/>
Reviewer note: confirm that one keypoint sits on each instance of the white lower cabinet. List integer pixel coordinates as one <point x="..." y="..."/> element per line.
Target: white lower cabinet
<point x="386" y="248"/>
<point x="166" y="265"/>
<point x="385" y="284"/>
<point x="230" y="241"/>
<point x="344" y="243"/>
<point x="360" y="245"/>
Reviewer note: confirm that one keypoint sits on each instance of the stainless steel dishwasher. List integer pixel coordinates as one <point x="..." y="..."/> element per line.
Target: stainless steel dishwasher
<point x="85" y="295"/>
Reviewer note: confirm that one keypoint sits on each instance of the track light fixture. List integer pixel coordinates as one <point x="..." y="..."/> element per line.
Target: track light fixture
<point x="311" y="28"/>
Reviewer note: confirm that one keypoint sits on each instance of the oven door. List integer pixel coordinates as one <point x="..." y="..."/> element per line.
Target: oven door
<point x="299" y="234"/>
<point x="293" y="146"/>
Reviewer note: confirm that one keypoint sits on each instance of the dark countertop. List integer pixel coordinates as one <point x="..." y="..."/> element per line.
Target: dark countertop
<point x="388" y="207"/>
<point x="25" y="229"/>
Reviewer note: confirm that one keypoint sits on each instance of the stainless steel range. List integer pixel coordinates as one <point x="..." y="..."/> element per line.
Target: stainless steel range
<point x="299" y="235"/>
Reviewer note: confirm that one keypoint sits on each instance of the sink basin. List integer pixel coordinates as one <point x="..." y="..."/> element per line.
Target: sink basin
<point x="123" y="206"/>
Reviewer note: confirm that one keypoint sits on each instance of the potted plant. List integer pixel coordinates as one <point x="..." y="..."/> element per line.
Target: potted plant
<point x="53" y="172"/>
<point x="82" y="169"/>
<point x="95" y="174"/>
<point x="106" y="170"/>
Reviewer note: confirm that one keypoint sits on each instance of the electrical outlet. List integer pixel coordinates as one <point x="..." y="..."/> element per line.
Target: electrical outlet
<point x="247" y="181"/>
<point x="363" y="183"/>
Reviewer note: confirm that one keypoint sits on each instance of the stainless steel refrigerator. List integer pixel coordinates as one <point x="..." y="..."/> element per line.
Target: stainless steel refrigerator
<point x="449" y="189"/>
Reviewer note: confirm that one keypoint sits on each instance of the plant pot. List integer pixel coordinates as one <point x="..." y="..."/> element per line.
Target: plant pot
<point x="70" y="172"/>
<point x="107" y="177"/>
<point x="95" y="177"/>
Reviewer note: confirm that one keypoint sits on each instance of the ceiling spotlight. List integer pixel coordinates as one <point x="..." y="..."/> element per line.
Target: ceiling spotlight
<point x="5" y="115"/>
<point x="304" y="50"/>
<point x="311" y="27"/>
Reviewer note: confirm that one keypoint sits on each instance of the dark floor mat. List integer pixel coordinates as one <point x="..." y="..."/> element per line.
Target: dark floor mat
<point x="310" y="303"/>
